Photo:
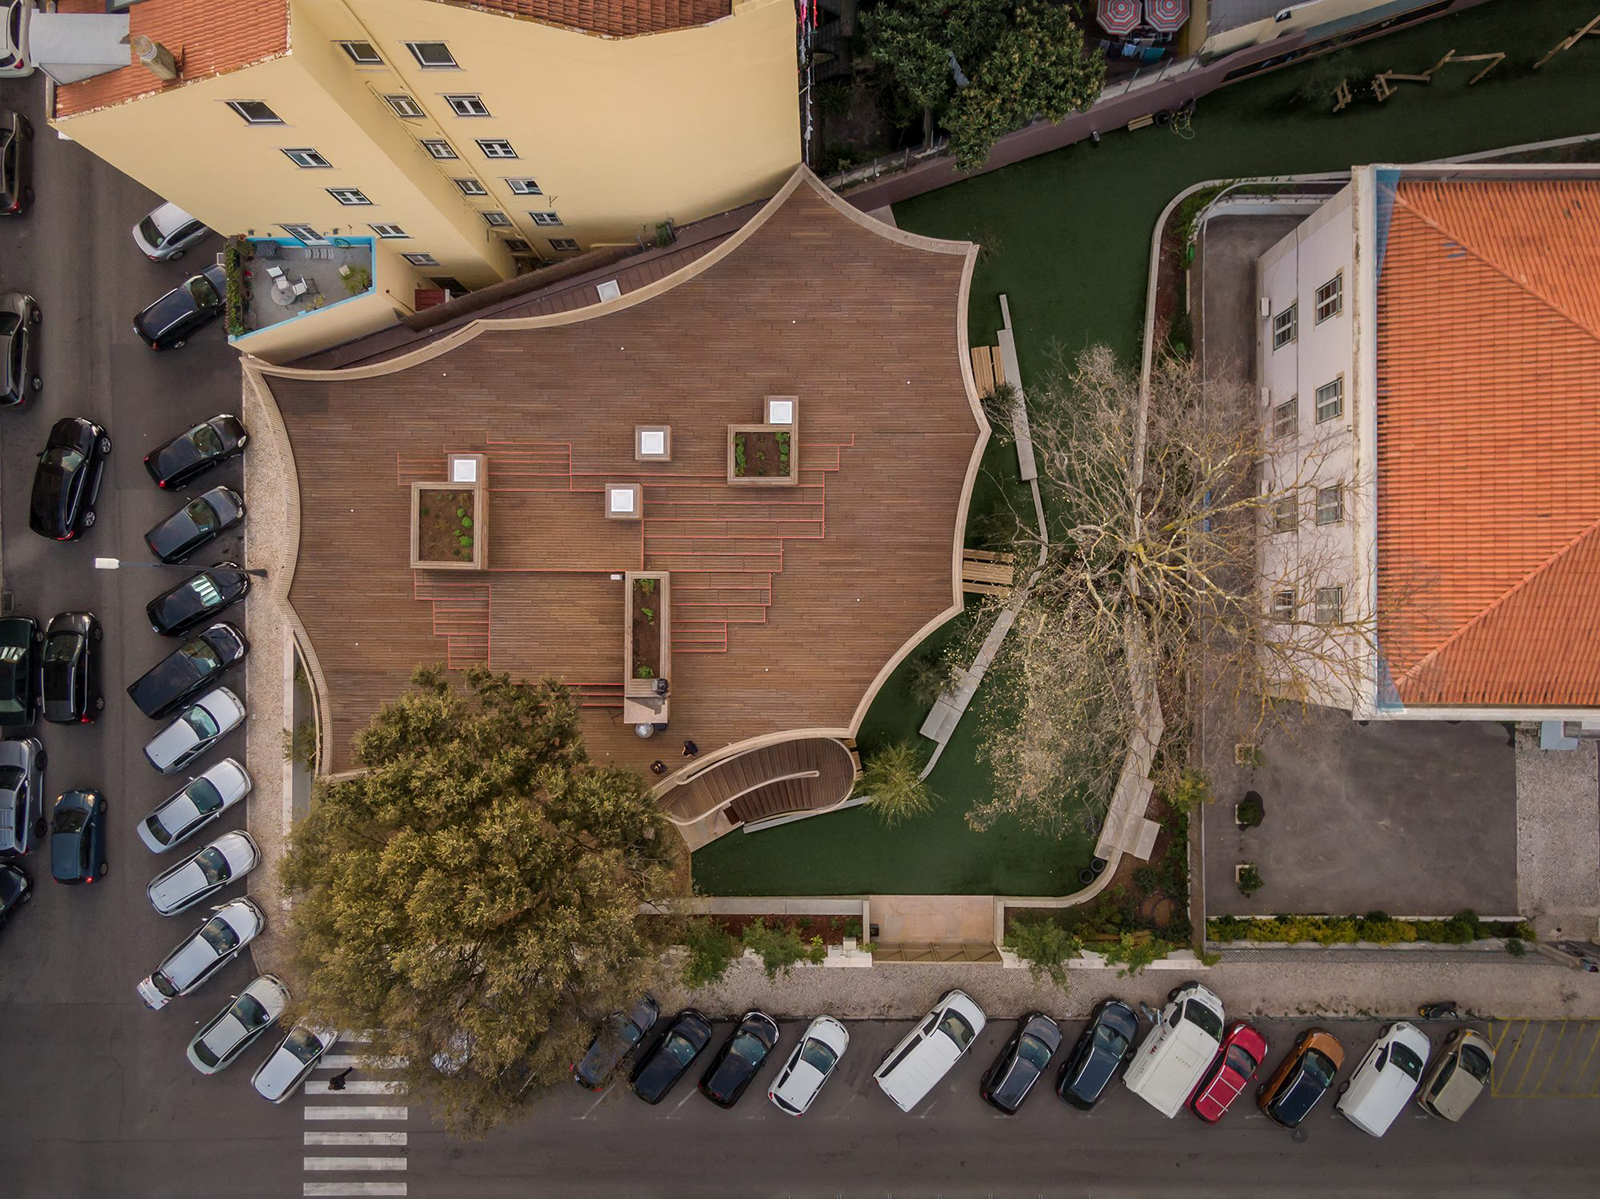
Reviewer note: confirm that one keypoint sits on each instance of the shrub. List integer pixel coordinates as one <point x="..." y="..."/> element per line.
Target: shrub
<point x="1045" y="946"/>
<point x="891" y="779"/>
<point x="1515" y="947"/>
<point x="1376" y="927"/>
<point x="1251" y="810"/>
<point x="711" y="951"/>
<point x="929" y="676"/>
<point x="1134" y="951"/>
<point x="1192" y="789"/>
<point x="780" y="948"/>
<point x="1250" y="880"/>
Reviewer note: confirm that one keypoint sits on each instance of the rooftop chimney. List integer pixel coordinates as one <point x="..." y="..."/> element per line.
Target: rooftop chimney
<point x="154" y="57"/>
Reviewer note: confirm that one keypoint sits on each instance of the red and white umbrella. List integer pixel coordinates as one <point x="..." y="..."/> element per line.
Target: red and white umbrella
<point x="1166" y="16"/>
<point x="1118" y="16"/>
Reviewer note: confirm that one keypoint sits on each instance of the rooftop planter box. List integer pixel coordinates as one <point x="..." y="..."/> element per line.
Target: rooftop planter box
<point x="646" y="645"/>
<point x="764" y="454"/>
<point x="450" y="524"/>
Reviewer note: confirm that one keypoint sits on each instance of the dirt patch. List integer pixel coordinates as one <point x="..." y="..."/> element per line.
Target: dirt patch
<point x="444" y="526"/>
<point x="646" y="629"/>
<point x="761" y="455"/>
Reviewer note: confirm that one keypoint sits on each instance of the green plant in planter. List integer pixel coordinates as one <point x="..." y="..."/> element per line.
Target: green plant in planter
<point x="461" y="511"/>
<point x="465" y="541"/>
<point x="644" y="672"/>
<point x="649" y="615"/>
<point x="424" y="511"/>
<point x="647" y="586"/>
<point x="1250" y="811"/>
<point x="738" y="455"/>
<point x="358" y="280"/>
<point x="466" y="522"/>
<point x="1250" y="880"/>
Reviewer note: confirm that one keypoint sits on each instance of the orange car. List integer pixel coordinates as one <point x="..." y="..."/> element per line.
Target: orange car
<point x="1303" y="1077"/>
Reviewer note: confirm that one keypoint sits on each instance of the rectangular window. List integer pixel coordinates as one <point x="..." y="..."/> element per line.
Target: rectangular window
<point x="545" y="218"/>
<point x="498" y="219"/>
<point x="1330" y="605"/>
<point x="1285" y="514"/>
<point x="563" y="243"/>
<point x="307" y="158"/>
<point x="523" y="187"/>
<point x="364" y="53"/>
<point x="1330" y="400"/>
<point x="496" y="147"/>
<point x="435" y="56"/>
<point x="1330" y="504"/>
<point x="421" y="259"/>
<point x="1286" y="326"/>
<point x="388" y="230"/>
<point x="517" y="246"/>
<point x="255" y="112"/>
<point x="471" y="187"/>
<point x="305" y="233"/>
<point x="1286" y="418"/>
<point x="404" y="106"/>
<point x="349" y="195"/>
<point x="1283" y="606"/>
<point x="467" y="106"/>
<point x="437" y="147"/>
<point x="1330" y="298"/>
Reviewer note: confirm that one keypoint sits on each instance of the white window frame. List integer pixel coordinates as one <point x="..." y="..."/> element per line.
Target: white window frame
<point x="299" y="154"/>
<point x="545" y="219"/>
<point x="496" y="219"/>
<point x="1286" y="326"/>
<point x="484" y="144"/>
<point x="404" y="106"/>
<point x="389" y="232"/>
<point x="471" y="187"/>
<point x="304" y="234"/>
<point x="349" y="47"/>
<point x="1329" y="605"/>
<point x="519" y="245"/>
<point x="563" y="245"/>
<point x="522" y="185"/>
<point x="1286" y="418"/>
<point x="238" y="107"/>
<point x="1283" y="605"/>
<point x="420" y="259"/>
<point x="416" y="53"/>
<point x="438" y="149"/>
<point x="1330" y="401"/>
<point x="1330" y="504"/>
<point x="466" y="104"/>
<point x="1286" y="514"/>
<point x="1330" y="298"/>
<point x="350" y="197"/>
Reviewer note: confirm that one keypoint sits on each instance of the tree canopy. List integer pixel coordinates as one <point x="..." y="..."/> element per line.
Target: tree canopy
<point x="472" y="894"/>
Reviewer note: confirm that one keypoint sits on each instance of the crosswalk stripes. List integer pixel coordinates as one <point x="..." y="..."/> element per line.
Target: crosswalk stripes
<point x="378" y="1153"/>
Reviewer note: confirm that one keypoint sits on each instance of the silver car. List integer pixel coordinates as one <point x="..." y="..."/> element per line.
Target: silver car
<point x="167" y="232"/>
<point x="278" y="1077"/>
<point x="21" y="793"/>
<point x="212" y="946"/>
<point x="230" y="1032"/>
<point x="200" y="802"/>
<point x="203" y="873"/>
<point x="194" y="730"/>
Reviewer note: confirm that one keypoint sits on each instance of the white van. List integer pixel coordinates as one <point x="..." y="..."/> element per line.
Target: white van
<point x="1386" y="1078"/>
<point x="913" y="1067"/>
<point x="1176" y="1052"/>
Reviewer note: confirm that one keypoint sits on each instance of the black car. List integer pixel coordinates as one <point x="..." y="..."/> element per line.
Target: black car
<point x="187" y="308"/>
<point x="16" y="888"/>
<point x="197" y="599"/>
<point x="1100" y="1055"/>
<point x="1022" y="1062"/>
<point x="198" y="523"/>
<point x="739" y="1060"/>
<point x="16" y="163"/>
<point x="195" y="664"/>
<point x="617" y="1038"/>
<point x="187" y="457"/>
<point x="19" y="669"/>
<point x="19" y="348"/>
<point x="69" y="677"/>
<point x="78" y="837"/>
<point x="67" y="481"/>
<point x="658" y="1069"/>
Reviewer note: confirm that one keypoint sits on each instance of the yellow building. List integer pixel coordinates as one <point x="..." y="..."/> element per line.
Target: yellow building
<point x="455" y="143"/>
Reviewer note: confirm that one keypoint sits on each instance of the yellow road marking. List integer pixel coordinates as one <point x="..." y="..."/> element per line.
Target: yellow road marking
<point x="1502" y="1067"/>
<point x="1551" y="1060"/>
<point x="1533" y="1055"/>
<point x="1571" y="1081"/>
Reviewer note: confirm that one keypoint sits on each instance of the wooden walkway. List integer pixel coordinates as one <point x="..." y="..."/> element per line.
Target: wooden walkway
<point x="802" y="775"/>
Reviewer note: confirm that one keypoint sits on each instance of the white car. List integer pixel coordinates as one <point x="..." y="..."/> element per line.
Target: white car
<point x="200" y="802"/>
<point x="809" y="1066"/>
<point x="925" y="1054"/>
<point x="212" y="946"/>
<point x="167" y="232"/>
<point x="278" y="1077"/>
<point x="1386" y="1078"/>
<point x="203" y="873"/>
<point x="230" y="1032"/>
<point x="194" y="730"/>
<point x="15" y="17"/>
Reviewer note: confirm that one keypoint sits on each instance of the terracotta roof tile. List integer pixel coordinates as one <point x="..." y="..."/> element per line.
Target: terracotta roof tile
<point x="209" y="37"/>
<point x="1488" y="413"/>
<point x="613" y="18"/>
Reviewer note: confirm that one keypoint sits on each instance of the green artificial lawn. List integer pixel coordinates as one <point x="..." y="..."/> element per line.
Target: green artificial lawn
<point x="1067" y="237"/>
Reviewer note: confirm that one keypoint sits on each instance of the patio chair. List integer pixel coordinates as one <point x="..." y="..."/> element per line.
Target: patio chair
<point x="300" y="287"/>
<point x="276" y="272"/>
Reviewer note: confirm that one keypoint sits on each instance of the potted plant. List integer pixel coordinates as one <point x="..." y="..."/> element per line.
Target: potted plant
<point x="1249" y="811"/>
<point x="1248" y="878"/>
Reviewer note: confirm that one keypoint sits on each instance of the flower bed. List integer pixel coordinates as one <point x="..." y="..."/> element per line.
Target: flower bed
<point x="449" y="524"/>
<point x="1375" y="928"/>
<point x="763" y="454"/>
<point x="646" y="660"/>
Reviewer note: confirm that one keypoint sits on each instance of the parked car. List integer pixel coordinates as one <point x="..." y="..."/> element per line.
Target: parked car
<point x="167" y="232"/>
<point x="69" y="671"/>
<point x="1459" y="1074"/>
<point x="198" y="523"/>
<point x="1021" y="1063"/>
<point x="20" y="638"/>
<point x="232" y="1030"/>
<point x="203" y="873"/>
<point x="16" y="163"/>
<point x="1100" y="1054"/>
<point x="189" y="307"/>
<point x="193" y="665"/>
<point x="67" y="481"/>
<point x="1230" y="1073"/>
<point x="667" y="1060"/>
<point x="295" y="1057"/>
<point x="200" y="955"/>
<point x="194" y="730"/>
<point x="189" y="455"/>
<point x="926" y="1053"/>
<point x="16" y="888"/>
<point x="15" y="17"/>
<point x="619" y="1035"/>
<point x="1386" y="1078"/>
<point x="199" y="802"/>
<point x="78" y="837"/>
<point x="19" y="348"/>
<point x="1175" y="1053"/>
<point x="1302" y="1078"/>
<point x="736" y="1064"/>
<point x="810" y="1065"/>
<point x="22" y="764"/>
<point x="197" y="599"/>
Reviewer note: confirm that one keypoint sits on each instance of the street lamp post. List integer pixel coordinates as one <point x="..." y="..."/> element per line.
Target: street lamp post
<point x="118" y="564"/>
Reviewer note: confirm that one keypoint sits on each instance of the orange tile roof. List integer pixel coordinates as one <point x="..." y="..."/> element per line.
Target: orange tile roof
<point x="209" y="37"/>
<point x="1488" y="415"/>
<point x="613" y="18"/>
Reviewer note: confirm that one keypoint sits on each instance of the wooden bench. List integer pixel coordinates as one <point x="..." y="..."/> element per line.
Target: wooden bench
<point x="988" y="371"/>
<point x="984" y="572"/>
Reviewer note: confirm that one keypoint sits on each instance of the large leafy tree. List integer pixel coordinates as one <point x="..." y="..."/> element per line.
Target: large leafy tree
<point x="472" y="894"/>
<point x="915" y="40"/>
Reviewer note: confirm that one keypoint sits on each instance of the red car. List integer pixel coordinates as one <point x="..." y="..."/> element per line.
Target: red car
<point x="1233" y="1070"/>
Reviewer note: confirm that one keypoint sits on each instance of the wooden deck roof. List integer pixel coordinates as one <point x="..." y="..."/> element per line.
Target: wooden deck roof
<point x="789" y="605"/>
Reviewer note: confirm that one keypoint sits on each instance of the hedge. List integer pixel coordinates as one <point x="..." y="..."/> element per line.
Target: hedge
<point x="1376" y="927"/>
